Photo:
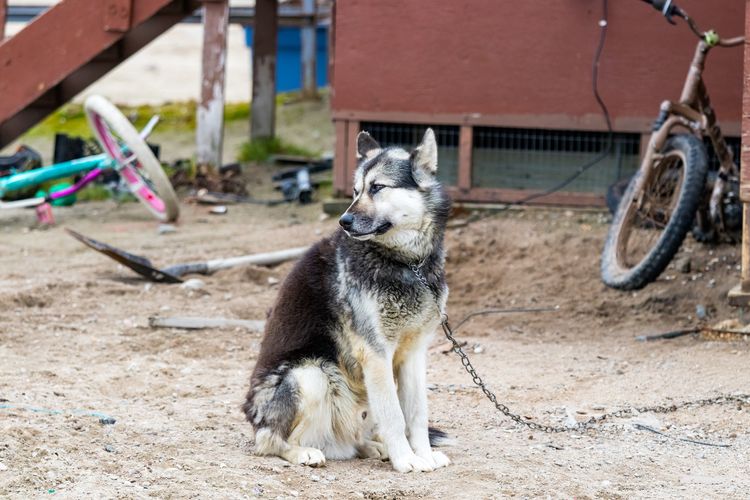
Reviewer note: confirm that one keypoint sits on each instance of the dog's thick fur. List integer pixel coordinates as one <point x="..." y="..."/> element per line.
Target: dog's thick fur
<point x="341" y="371"/>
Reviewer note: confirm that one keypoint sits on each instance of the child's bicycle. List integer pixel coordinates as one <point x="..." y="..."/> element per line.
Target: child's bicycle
<point x="669" y="192"/>
<point x="125" y="150"/>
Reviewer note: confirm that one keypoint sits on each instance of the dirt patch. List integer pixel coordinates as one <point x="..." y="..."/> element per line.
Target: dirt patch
<point x="74" y="337"/>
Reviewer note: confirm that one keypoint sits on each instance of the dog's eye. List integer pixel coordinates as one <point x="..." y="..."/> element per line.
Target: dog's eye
<point x="355" y="192"/>
<point x="374" y="188"/>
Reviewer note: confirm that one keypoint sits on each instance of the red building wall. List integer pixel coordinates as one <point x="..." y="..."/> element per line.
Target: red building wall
<point x="521" y="63"/>
<point x="526" y="61"/>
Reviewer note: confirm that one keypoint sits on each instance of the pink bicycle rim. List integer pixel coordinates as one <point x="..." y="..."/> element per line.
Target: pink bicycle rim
<point x="129" y="173"/>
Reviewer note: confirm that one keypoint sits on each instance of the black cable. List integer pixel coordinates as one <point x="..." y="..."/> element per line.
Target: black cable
<point x="603" y="23"/>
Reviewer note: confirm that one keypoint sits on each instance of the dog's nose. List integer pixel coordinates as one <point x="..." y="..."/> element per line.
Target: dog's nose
<point x="346" y="221"/>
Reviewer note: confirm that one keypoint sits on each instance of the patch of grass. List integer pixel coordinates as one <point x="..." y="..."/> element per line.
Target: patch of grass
<point x="236" y="111"/>
<point x="93" y="192"/>
<point x="173" y="116"/>
<point x="261" y="150"/>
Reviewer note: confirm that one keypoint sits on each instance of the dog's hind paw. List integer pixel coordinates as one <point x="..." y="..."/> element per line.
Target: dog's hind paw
<point x="312" y="457"/>
<point x="411" y="463"/>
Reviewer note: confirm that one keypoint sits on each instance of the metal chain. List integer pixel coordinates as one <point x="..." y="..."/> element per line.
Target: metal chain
<point x="579" y="426"/>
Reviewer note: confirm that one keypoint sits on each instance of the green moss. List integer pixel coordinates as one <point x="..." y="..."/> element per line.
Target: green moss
<point x="93" y="192"/>
<point x="261" y="150"/>
<point x="236" y="111"/>
<point x="174" y="116"/>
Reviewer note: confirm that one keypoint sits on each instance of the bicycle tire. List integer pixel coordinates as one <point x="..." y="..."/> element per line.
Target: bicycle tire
<point x="155" y="192"/>
<point x="619" y="275"/>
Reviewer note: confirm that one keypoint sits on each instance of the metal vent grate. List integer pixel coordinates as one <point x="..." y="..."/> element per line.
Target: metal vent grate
<point x="408" y="136"/>
<point x="538" y="159"/>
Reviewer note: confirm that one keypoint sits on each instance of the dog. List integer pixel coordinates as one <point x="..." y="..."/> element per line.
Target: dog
<point x="342" y="367"/>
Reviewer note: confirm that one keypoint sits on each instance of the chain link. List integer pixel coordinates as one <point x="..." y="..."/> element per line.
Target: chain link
<point x="579" y="426"/>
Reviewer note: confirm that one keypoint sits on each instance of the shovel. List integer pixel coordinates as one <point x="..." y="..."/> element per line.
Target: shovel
<point x="174" y="274"/>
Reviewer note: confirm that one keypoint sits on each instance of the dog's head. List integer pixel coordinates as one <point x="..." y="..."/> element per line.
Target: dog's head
<point x="395" y="192"/>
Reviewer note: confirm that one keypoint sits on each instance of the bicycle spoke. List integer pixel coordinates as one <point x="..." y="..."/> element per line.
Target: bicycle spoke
<point x="647" y="221"/>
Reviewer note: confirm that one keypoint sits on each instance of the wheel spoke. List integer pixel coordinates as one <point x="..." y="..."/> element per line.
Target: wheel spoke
<point x="648" y="219"/>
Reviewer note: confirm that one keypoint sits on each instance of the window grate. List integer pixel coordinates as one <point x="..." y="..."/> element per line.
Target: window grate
<point x="408" y="136"/>
<point x="539" y="159"/>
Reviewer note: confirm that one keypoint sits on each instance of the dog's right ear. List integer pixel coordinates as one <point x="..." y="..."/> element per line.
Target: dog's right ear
<point x="367" y="147"/>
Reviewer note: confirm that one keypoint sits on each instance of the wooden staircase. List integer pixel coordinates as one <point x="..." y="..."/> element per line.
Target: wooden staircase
<point x="70" y="46"/>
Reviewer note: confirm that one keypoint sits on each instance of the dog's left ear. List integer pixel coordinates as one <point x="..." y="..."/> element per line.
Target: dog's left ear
<point x="424" y="159"/>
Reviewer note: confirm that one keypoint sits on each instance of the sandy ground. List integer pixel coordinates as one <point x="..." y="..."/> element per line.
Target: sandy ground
<point x="74" y="336"/>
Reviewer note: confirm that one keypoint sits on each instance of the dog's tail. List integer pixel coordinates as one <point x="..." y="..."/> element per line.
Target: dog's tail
<point x="440" y="438"/>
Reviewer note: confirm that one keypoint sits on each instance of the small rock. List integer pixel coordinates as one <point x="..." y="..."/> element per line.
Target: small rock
<point x="314" y="477"/>
<point x="711" y="283"/>
<point x="193" y="284"/>
<point x="323" y="216"/>
<point x="683" y="264"/>
<point x="478" y="349"/>
<point x="109" y="448"/>
<point x="3" y="467"/>
<point x="166" y="229"/>
<point x="700" y="311"/>
<point x="257" y="490"/>
<point x="219" y="210"/>
<point x="273" y="281"/>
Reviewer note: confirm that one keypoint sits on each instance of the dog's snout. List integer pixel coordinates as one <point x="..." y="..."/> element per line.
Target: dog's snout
<point x="346" y="221"/>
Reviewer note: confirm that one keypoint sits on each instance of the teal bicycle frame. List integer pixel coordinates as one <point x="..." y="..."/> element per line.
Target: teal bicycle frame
<point x="92" y="165"/>
<point x="66" y="169"/>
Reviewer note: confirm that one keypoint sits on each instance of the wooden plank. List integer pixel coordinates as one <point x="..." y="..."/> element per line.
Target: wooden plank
<point x="546" y="121"/>
<point x="340" y="170"/>
<point x="117" y="14"/>
<point x="200" y="323"/>
<point x="3" y="16"/>
<point x="489" y="195"/>
<point x="465" y="146"/>
<point x="263" y="105"/>
<point x="745" y="160"/>
<point x="309" y="51"/>
<point x="210" y="119"/>
<point x="351" y="154"/>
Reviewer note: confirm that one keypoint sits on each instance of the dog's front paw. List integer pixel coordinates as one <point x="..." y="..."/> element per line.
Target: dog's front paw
<point x="436" y="459"/>
<point x="441" y="460"/>
<point x="411" y="463"/>
<point x="312" y="457"/>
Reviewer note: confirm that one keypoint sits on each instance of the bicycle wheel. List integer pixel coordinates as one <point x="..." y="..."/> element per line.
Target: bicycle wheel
<point x="645" y="234"/>
<point x="137" y="164"/>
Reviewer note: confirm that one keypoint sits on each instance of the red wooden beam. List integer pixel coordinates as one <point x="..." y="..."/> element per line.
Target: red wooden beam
<point x="65" y="37"/>
<point x="70" y="46"/>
